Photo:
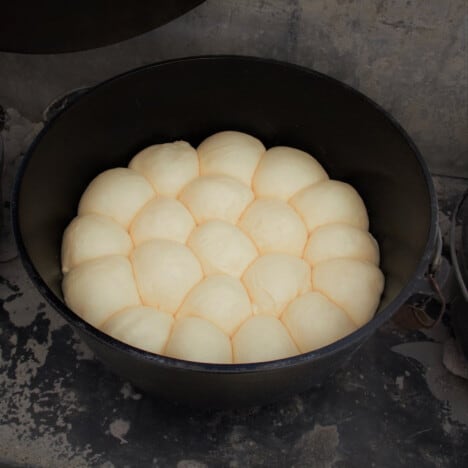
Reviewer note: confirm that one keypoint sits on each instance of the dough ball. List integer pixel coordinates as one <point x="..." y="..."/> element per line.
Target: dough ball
<point x="274" y="280"/>
<point x="353" y="285"/>
<point x="221" y="299"/>
<point x="222" y="248"/>
<point x="91" y="236"/>
<point x="118" y="193"/>
<point x="274" y="227"/>
<point x="331" y="201"/>
<point x="283" y="171"/>
<point x="197" y="339"/>
<point x="341" y="241"/>
<point x="143" y="327"/>
<point x="169" y="167"/>
<point x="313" y="322"/>
<point x="216" y="197"/>
<point x="165" y="272"/>
<point x="97" y="289"/>
<point x="262" y="338"/>
<point x="164" y="218"/>
<point x="233" y="154"/>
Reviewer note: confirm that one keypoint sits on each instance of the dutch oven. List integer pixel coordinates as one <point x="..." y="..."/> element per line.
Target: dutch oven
<point x="55" y="26"/>
<point x="281" y="104"/>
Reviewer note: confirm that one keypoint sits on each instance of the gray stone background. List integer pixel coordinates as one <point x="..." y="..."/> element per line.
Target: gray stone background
<point x="410" y="56"/>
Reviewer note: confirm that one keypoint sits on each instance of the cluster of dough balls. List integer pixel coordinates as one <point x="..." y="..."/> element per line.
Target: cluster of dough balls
<point x="230" y="253"/>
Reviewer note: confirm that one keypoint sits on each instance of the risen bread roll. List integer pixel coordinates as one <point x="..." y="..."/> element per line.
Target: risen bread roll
<point x="274" y="227"/>
<point x="169" y="167"/>
<point x="274" y="280"/>
<point x="143" y="327"/>
<point x="354" y="285"/>
<point x="165" y="272"/>
<point x="313" y="321"/>
<point x="163" y="218"/>
<point x="118" y="193"/>
<point x="331" y="201"/>
<point x="98" y="288"/>
<point x="284" y="171"/>
<point x="216" y="197"/>
<point x="262" y="338"/>
<point x="221" y="299"/>
<point x="197" y="339"/>
<point x="222" y="248"/>
<point x="233" y="154"/>
<point x="91" y="236"/>
<point x="228" y="254"/>
<point x="341" y="241"/>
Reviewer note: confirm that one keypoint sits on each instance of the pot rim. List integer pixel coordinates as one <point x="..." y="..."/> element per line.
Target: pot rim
<point x="357" y="336"/>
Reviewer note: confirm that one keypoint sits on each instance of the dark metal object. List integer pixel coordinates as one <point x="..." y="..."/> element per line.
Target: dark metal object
<point x="2" y="118"/>
<point x="54" y="26"/>
<point x="433" y="288"/>
<point x="459" y="256"/>
<point x="189" y="99"/>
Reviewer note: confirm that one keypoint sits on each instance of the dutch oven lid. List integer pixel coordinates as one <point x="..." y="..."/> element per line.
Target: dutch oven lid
<point x="55" y="26"/>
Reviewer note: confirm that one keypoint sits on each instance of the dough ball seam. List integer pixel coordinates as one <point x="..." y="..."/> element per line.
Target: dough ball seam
<point x="242" y="214"/>
<point x="323" y="293"/>
<point x="305" y="225"/>
<point x="163" y="352"/>
<point x="327" y="224"/>
<point x="189" y="291"/>
<point x="253" y="242"/>
<point x="305" y="188"/>
<point x="179" y="200"/>
<point x="195" y="314"/>
<point x="135" y="279"/>
<point x="129" y="230"/>
<point x="255" y="172"/>
<point x="340" y="257"/>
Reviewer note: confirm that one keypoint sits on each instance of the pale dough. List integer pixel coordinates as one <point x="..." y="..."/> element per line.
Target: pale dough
<point x="98" y="288"/>
<point x="274" y="227"/>
<point x="118" y="193"/>
<point x="353" y="285"/>
<point x="228" y="253"/>
<point x="341" y="241"/>
<point x="283" y="171"/>
<point x="197" y="339"/>
<point x="331" y="201"/>
<point x="313" y="322"/>
<point x="262" y="338"/>
<point x="165" y="272"/>
<point x="142" y="327"/>
<point x="91" y="236"/>
<point x="221" y="299"/>
<point x="222" y="248"/>
<point x="169" y="167"/>
<point x="216" y="197"/>
<point x="162" y="218"/>
<point x="233" y="154"/>
<point x="274" y="280"/>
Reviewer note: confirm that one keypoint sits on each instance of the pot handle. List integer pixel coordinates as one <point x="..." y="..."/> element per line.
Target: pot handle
<point x="60" y="102"/>
<point x="431" y="286"/>
<point x="453" y="248"/>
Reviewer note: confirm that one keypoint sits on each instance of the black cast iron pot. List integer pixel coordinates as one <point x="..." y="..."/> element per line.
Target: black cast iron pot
<point x="54" y="26"/>
<point x="354" y="139"/>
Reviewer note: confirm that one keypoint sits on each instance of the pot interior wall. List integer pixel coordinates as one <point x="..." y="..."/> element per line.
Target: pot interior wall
<point x="192" y="99"/>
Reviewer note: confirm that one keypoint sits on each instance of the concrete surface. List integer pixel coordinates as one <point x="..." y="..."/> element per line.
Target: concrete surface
<point x="410" y="56"/>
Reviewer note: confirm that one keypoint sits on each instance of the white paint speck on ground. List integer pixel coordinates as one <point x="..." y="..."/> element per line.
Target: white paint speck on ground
<point x="400" y="381"/>
<point x="119" y="429"/>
